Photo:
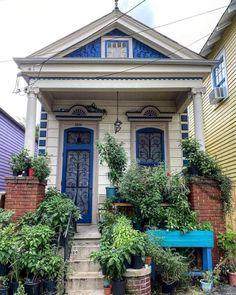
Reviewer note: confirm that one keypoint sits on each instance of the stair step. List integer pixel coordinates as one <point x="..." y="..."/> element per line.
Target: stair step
<point x="86" y="292"/>
<point x="82" y="251"/>
<point x="87" y="232"/>
<point x="84" y="266"/>
<point x="85" y="281"/>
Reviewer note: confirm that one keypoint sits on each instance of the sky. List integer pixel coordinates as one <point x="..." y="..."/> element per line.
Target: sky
<point x="29" y="25"/>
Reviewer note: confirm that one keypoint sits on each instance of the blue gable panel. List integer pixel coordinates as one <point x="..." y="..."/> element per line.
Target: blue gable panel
<point x="116" y="32"/>
<point x="141" y="50"/>
<point x="92" y="49"/>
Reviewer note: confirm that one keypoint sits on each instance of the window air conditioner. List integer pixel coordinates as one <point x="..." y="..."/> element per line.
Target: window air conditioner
<point x="217" y="94"/>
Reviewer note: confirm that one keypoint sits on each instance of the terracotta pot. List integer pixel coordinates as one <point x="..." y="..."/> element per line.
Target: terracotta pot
<point x="232" y="278"/>
<point x="31" y="171"/>
<point x="107" y="290"/>
<point x="148" y="260"/>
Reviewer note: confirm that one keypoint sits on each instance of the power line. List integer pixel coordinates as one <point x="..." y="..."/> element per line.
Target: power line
<point x="43" y="63"/>
<point x="145" y="30"/>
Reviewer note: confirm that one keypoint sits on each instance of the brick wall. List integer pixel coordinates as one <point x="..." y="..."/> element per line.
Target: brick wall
<point x="23" y="194"/>
<point x="205" y="200"/>
<point x="138" y="281"/>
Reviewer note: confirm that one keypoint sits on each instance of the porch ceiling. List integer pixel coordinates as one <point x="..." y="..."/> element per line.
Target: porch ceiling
<point x="178" y="98"/>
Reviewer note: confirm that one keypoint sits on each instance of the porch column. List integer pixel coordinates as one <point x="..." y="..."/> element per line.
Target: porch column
<point x="196" y="94"/>
<point x="30" y="122"/>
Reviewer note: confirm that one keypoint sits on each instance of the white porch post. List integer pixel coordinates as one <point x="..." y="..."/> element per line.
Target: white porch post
<point x="198" y="115"/>
<point x="30" y="122"/>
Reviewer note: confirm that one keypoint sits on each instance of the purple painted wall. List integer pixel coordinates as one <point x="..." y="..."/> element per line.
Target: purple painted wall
<point x="11" y="141"/>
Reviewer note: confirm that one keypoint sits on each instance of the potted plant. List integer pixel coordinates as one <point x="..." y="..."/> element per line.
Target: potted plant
<point x="144" y="188"/>
<point x="7" y="247"/>
<point x="3" y="285"/>
<point x="40" y="165"/>
<point x="113" y="154"/>
<point x="50" y="267"/>
<point x="20" y="290"/>
<point x="130" y="240"/>
<point x="171" y="266"/>
<point x="151" y="247"/>
<point x="207" y="281"/>
<point x="107" y="285"/>
<point x="227" y="242"/>
<point x="20" y="163"/>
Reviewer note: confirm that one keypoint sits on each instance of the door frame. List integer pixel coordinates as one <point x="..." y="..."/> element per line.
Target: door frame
<point x="83" y="147"/>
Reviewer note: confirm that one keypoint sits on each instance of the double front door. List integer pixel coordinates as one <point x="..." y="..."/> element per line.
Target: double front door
<point x="77" y="178"/>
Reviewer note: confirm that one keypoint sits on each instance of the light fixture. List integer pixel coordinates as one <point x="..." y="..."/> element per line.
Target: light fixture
<point x="117" y="124"/>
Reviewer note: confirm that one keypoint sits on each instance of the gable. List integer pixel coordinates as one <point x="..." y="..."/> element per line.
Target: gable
<point x="94" y="49"/>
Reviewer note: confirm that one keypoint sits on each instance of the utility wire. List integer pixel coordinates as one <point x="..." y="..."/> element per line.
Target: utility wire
<point x="43" y="63"/>
<point x="148" y="29"/>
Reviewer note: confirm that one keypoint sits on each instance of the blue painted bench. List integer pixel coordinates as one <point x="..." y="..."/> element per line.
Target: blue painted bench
<point x="191" y="239"/>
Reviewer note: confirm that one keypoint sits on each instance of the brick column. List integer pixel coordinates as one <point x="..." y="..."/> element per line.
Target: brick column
<point x="205" y="200"/>
<point x="23" y="194"/>
<point x="138" y="281"/>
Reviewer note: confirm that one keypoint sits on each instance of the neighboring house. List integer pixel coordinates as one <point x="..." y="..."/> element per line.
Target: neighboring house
<point x="114" y="68"/>
<point x="219" y="101"/>
<point x="11" y="141"/>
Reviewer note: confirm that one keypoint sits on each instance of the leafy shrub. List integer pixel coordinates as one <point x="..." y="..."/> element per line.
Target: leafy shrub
<point x="8" y="239"/>
<point x="113" y="154"/>
<point x="5" y="217"/>
<point x="40" y="164"/>
<point x="20" y="162"/>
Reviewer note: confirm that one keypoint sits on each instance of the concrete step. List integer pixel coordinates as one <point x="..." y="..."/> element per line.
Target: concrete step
<point x="86" y="292"/>
<point x="81" y="281"/>
<point x="82" y="251"/>
<point x="87" y="232"/>
<point x="84" y="266"/>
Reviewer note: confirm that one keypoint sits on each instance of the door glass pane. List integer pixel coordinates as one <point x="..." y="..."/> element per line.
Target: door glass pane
<point x="77" y="178"/>
<point x="76" y="137"/>
<point x="149" y="147"/>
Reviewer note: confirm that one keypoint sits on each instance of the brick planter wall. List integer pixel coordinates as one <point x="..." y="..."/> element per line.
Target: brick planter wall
<point x="205" y="200"/>
<point x="138" y="281"/>
<point x="23" y="194"/>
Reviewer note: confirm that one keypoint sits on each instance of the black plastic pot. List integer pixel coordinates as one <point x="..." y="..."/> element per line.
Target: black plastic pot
<point x="4" y="270"/>
<point x="168" y="288"/>
<point x="118" y="287"/>
<point x="4" y="290"/>
<point x="136" y="261"/>
<point x="127" y="264"/>
<point x="49" y="286"/>
<point x="32" y="288"/>
<point x="13" y="286"/>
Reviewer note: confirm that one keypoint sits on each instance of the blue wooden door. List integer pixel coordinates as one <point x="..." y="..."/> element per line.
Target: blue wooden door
<point x="77" y="176"/>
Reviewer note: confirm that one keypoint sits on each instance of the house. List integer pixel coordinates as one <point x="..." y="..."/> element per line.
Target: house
<point x="11" y="141"/>
<point x="219" y="101"/>
<point x="115" y="74"/>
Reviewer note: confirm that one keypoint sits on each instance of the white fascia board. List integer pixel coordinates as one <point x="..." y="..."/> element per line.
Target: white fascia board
<point x="108" y="85"/>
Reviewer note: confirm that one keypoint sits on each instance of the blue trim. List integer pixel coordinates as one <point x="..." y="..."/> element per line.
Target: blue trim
<point x="151" y="130"/>
<point x="184" y="127"/>
<point x="184" y="118"/>
<point x="42" y="142"/>
<point x="44" y="116"/>
<point x="43" y="124"/>
<point x="41" y="151"/>
<point x="42" y="133"/>
<point x="184" y="135"/>
<point x="80" y="147"/>
<point x="117" y="41"/>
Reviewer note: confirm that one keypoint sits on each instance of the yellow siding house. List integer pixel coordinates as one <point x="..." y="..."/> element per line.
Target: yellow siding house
<point x="219" y="101"/>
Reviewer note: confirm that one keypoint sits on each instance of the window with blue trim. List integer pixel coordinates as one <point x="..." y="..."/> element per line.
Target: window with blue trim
<point x="219" y="78"/>
<point x="150" y="146"/>
<point x="117" y="48"/>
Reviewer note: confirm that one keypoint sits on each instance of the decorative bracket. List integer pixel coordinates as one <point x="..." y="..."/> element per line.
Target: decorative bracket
<point x="149" y="113"/>
<point x="81" y="112"/>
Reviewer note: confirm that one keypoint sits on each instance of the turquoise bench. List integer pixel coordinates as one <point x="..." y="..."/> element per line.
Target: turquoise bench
<point x="192" y="239"/>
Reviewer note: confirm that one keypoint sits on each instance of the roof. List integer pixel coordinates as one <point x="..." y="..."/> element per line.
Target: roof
<point x="116" y="19"/>
<point x="19" y="125"/>
<point x="224" y="22"/>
